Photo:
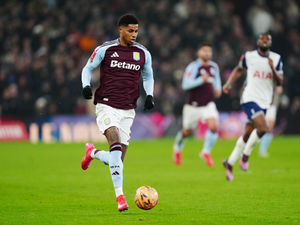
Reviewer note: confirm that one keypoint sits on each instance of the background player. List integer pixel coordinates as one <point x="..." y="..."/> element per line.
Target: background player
<point x="121" y="61"/>
<point x="271" y="119"/>
<point x="202" y="82"/>
<point x="262" y="76"/>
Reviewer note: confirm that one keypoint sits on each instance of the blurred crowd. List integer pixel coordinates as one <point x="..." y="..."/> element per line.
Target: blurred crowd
<point x="44" y="45"/>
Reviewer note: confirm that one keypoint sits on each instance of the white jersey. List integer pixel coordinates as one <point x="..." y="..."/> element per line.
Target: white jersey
<point x="260" y="81"/>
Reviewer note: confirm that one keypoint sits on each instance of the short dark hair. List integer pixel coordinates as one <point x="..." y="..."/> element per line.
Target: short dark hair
<point x="127" y="19"/>
<point x="265" y="33"/>
<point x="205" y="44"/>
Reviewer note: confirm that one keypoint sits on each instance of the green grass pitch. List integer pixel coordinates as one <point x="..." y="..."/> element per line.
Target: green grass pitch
<point x="44" y="184"/>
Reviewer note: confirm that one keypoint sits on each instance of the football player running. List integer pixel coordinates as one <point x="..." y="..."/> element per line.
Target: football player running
<point x="264" y="72"/>
<point x="122" y="62"/>
<point x="201" y="81"/>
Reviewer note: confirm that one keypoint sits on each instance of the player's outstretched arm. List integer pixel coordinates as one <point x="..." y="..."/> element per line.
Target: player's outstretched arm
<point x="236" y="73"/>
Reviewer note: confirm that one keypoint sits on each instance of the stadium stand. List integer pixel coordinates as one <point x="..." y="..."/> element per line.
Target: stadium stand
<point x="45" y="44"/>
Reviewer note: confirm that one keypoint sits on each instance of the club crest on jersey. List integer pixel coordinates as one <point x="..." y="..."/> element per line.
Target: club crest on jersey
<point x="203" y="71"/>
<point x="136" y="56"/>
<point x="106" y="121"/>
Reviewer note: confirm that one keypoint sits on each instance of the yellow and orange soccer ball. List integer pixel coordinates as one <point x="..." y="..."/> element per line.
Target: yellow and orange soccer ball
<point x="146" y="197"/>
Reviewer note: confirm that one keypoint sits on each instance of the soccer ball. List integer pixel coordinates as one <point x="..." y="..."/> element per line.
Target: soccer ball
<point x="146" y="197"/>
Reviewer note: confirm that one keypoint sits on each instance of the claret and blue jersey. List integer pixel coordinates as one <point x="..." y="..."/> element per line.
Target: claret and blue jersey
<point x="200" y="93"/>
<point x="120" y="70"/>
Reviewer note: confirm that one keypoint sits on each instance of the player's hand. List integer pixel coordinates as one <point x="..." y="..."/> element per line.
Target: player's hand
<point x="226" y="88"/>
<point x="87" y="92"/>
<point x="271" y="63"/>
<point x="149" y="103"/>
<point x="205" y="77"/>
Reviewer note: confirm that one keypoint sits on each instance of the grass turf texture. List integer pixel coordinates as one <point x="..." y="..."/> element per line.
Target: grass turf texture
<point x="44" y="184"/>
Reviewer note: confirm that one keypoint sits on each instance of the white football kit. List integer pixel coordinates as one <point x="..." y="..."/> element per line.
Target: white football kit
<point x="260" y="82"/>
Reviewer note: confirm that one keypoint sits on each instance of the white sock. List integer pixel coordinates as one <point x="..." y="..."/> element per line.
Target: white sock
<point x="119" y="191"/>
<point x="210" y="139"/>
<point x="252" y="141"/>
<point x="116" y="171"/>
<point x="238" y="149"/>
<point x="179" y="141"/>
<point x="265" y="142"/>
<point x="101" y="155"/>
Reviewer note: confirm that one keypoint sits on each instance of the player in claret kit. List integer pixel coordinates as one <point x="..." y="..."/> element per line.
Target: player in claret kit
<point x="202" y="82"/>
<point x="122" y="62"/>
<point x="264" y="72"/>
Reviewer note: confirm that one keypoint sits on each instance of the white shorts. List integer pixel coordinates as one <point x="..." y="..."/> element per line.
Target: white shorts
<point x="192" y="114"/>
<point x="108" y="116"/>
<point x="271" y="113"/>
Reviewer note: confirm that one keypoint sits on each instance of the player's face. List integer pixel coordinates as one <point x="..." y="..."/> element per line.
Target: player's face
<point x="205" y="53"/>
<point x="128" y="34"/>
<point x="264" y="41"/>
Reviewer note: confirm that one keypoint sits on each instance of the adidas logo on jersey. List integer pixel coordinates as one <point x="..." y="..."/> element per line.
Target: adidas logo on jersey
<point x="124" y="65"/>
<point x="114" y="55"/>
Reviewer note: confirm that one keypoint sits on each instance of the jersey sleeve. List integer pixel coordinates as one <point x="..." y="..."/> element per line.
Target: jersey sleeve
<point x="93" y="62"/>
<point x="147" y="74"/>
<point x="190" y="79"/>
<point x="217" y="80"/>
<point x="279" y="66"/>
<point x="243" y="63"/>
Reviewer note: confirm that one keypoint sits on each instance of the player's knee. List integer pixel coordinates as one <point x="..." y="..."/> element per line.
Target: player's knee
<point x="186" y="133"/>
<point x="261" y="131"/>
<point x="212" y="124"/>
<point x="214" y="128"/>
<point x="112" y="135"/>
